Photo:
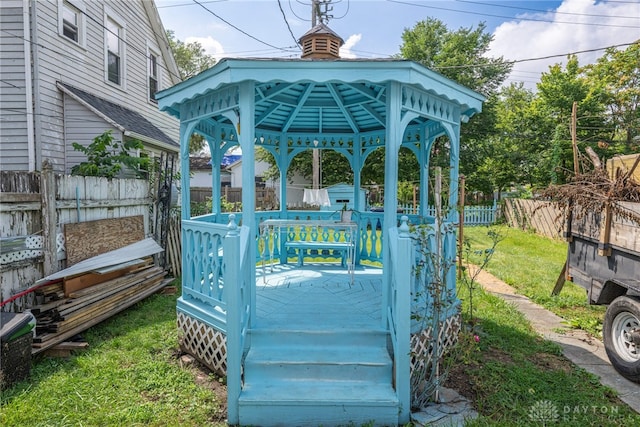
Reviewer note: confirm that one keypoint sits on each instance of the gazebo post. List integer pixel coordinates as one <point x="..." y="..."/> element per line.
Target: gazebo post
<point x="216" y="160"/>
<point x="246" y="137"/>
<point x="393" y="139"/>
<point x="283" y="167"/>
<point x="425" y="149"/>
<point x="185" y="133"/>
<point x="454" y="157"/>
<point x="356" y="166"/>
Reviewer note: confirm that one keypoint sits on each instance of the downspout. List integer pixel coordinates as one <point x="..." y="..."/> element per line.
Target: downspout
<point x="32" y="85"/>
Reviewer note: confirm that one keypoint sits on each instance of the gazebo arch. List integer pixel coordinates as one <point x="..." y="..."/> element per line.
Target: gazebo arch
<point x="288" y="106"/>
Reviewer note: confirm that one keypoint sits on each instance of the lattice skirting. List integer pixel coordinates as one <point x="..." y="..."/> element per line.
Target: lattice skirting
<point x="206" y="344"/>
<point x="422" y="356"/>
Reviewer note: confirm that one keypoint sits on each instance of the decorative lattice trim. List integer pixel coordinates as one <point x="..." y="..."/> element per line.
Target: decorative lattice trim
<point x="422" y="355"/>
<point x="203" y="342"/>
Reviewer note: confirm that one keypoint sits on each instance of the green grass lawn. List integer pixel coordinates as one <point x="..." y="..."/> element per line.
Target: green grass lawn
<point x="532" y="264"/>
<point x="514" y="376"/>
<point x="129" y="376"/>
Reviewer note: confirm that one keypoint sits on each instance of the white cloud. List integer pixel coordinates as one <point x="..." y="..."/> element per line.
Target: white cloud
<point x="616" y="23"/>
<point x="210" y="45"/>
<point x="345" y="50"/>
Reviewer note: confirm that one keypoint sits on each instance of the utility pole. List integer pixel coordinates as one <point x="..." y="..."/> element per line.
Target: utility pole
<point x="574" y="137"/>
<point x="319" y="12"/>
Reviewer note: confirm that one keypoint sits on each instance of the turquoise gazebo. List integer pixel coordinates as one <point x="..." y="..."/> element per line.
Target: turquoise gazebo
<point x="313" y="343"/>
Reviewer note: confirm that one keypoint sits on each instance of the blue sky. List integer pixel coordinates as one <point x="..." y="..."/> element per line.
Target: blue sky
<point x="373" y="28"/>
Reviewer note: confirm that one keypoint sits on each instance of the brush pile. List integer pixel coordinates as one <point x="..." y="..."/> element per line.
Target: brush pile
<point x="596" y="191"/>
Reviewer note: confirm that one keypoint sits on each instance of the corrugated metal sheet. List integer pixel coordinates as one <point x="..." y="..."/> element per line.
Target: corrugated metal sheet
<point x="137" y="250"/>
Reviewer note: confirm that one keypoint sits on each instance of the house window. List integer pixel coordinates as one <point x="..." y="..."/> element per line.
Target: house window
<point x="71" y="20"/>
<point x="114" y="51"/>
<point x="153" y="76"/>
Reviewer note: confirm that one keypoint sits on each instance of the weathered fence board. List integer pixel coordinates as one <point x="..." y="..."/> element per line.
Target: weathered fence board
<point x="536" y="215"/>
<point x="41" y="203"/>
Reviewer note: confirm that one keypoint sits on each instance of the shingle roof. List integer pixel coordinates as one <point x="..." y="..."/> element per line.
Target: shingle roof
<point x="126" y="118"/>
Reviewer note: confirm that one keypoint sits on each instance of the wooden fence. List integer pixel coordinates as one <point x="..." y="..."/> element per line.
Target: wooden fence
<point x="36" y="206"/>
<point x="535" y="215"/>
<point x="473" y="215"/>
<point x="265" y="197"/>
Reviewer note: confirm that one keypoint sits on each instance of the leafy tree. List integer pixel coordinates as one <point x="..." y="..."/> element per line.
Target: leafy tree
<point x="617" y="74"/>
<point x="106" y="157"/>
<point x="461" y="56"/>
<point x="558" y="89"/>
<point x="191" y="59"/>
<point x="458" y="55"/>
<point x="517" y="152"/>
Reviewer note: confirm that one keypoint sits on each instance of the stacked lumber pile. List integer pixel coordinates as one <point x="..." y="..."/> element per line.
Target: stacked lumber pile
<point x="74" y="303"/>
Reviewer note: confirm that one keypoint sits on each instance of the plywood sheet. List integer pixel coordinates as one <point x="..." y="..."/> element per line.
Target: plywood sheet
<point x="86" y="280"/>
<point x="88" y="239"/>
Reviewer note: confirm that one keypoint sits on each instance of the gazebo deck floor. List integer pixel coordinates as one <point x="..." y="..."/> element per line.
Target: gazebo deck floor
<point x="318" y="296"/>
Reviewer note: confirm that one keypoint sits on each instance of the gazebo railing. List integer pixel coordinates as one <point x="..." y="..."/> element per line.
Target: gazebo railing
<point x="473" y="215"/>
<point x="202" y="270"/>
<point x="370" y="231"/>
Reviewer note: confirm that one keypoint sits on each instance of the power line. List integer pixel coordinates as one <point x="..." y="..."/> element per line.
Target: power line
<point x="130" y="45"/>
<point x="236" y="28"/>
<point x="547" y="11"/>
<point x="430" y="6"/>
<point x="10" y="84"/>
<point x="15" y="112"/>
<point x="517" y="61"/>
<point x="63" y="54"/>
<point x="188" y="4"/>
<point x="284" y="16"/>
<point x="295" y="14"/>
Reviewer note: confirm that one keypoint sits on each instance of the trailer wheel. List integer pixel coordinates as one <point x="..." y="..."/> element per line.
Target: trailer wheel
<point x="621" y="331"/>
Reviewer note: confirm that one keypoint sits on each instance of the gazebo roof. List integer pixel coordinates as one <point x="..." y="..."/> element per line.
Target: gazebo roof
<point x="327" y="97"/>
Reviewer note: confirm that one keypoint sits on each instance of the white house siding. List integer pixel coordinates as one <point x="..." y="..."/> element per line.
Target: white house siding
<point x="13" y="89"/>
<point x="200" y="178"/>
<point x="236" y="171"/>
<point x="92" y="126"/>
<point x="60" y="59"/>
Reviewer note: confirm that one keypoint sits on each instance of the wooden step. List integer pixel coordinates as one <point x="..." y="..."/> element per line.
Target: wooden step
<point x="318" y="377"/>
<point x="319" y="337"/>
<point x="313" y="404"/>
<point x="269" y="363"/>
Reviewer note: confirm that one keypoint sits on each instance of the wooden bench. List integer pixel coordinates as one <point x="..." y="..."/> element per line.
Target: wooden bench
<point x="301" y="246"/>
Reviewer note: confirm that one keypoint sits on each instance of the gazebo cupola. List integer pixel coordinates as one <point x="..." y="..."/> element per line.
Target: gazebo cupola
<point x="320" y="42"/>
